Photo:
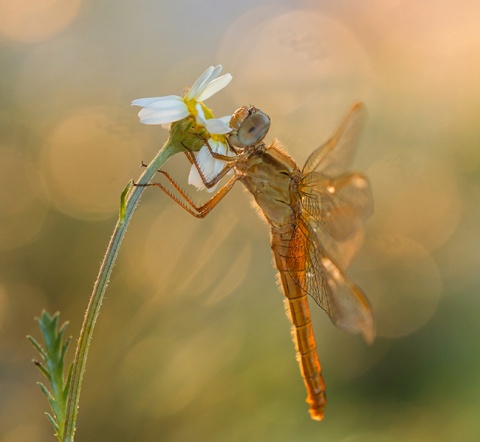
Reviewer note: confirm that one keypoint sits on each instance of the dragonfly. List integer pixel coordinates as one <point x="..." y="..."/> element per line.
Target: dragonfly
<point x="315" y="215"/>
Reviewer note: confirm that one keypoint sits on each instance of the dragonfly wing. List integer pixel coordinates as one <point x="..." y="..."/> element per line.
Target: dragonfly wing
<point x="339" y="205"/>
<point x="342" y="252"/>
<point x="334" y="156"/>
<point x="344" y="302"/>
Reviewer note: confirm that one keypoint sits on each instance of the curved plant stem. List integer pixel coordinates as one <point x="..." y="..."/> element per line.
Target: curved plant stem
<point x="130" y="198"/>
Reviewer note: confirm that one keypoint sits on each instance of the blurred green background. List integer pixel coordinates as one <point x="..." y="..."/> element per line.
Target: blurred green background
<point x="192" y="342"/>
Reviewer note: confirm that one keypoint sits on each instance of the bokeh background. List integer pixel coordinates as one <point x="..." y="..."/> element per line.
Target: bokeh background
<point x="192" y="342"/>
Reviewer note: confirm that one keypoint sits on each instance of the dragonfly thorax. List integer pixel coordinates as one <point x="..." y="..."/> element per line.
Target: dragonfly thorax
<point x="269" y="174"/>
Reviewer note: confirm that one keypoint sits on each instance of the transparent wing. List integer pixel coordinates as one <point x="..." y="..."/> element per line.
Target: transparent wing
<point x="344" y="302"/>
<point x="339" y="205"/>
<point x="334" y="157"/>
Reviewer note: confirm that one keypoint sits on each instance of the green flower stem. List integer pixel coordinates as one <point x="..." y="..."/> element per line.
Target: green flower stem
<point x="181" y="135"/>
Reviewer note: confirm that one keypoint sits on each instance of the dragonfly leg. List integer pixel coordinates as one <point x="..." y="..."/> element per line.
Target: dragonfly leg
<point x="232" y="147"/>
<point x="187" y="204"/>
<point x="210" y="183"/>
<point x="230" y="160"/>
<point x="217" y="156"/>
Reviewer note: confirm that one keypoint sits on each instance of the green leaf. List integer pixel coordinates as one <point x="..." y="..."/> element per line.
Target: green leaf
<point x="123" y="200"/>
<point x="54" y="423"/>
<point x="53" y="354"/>
<point x="43" y="369"/>
<point x="45" y="391"/>
<point x="38" y="347"/>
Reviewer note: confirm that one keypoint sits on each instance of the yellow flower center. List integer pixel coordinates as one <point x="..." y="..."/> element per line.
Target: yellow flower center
<point x="191" y="106"/>
<point x="192" y="109"/>
<point x="219" y="137"/>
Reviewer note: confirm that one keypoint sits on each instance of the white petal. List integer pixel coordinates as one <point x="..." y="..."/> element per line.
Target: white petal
<point x="194" y="178"/>
<point x="209" y="166"/>
<point x="216" y="72"/>
<point x="150" y="115"/>
<point x="220" y="147"/>
<point x="203" y="158"/>
<point x="206" y="161"/>
<point x="167" y="103"/>
<point x="200" y="115"/>
<point x="147" y="101"/>
<point x="199" y="84"/>
<point x="218" y="126"/>
<point x="213" y="87"/>
<point x="164" y="111"/>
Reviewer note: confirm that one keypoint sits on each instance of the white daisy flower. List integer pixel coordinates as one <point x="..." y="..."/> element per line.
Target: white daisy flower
<point x="172" y="108"/>
<point x="210" y="166"/>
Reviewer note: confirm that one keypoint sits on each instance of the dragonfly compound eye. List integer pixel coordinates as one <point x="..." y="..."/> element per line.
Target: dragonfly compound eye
<point x="251" y="130"/>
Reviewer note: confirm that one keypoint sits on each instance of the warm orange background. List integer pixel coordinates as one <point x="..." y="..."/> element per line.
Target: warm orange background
<point x="192" y="342"/>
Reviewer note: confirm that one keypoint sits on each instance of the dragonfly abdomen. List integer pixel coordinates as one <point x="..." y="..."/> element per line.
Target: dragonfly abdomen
<point x="293" y="280"/>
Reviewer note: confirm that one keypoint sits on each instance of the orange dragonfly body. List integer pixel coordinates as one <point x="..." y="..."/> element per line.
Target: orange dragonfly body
<point x="312" y="213"/>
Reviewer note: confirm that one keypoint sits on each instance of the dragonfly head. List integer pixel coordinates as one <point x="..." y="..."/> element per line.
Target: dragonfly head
<point x="249" y="127"/>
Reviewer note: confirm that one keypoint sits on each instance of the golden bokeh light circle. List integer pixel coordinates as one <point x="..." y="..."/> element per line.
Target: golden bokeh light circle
<point x="296" y="59"/>
<point x="36" y="20"/>
<point x="23" y="213"/>
<point x="406" y="292"/>
<point x="87" y="160"/>
<point x="415" y="196"/>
